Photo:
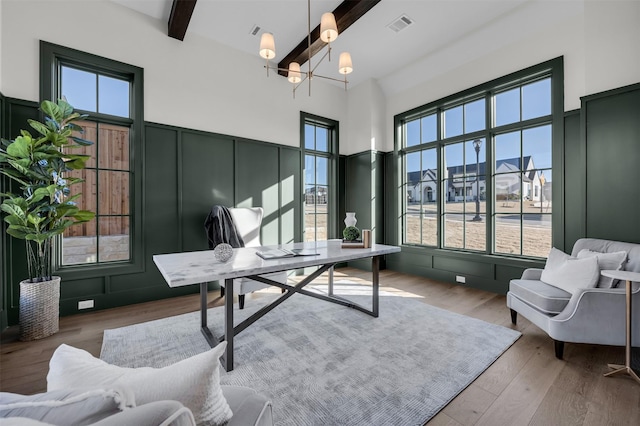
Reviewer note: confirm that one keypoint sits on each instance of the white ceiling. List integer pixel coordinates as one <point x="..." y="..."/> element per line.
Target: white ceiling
<point x="394" y="59"/>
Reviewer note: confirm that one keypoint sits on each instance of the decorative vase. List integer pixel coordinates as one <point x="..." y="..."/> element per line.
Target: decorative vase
<point x="39" y="309"/>
<point x="350" y="220"/>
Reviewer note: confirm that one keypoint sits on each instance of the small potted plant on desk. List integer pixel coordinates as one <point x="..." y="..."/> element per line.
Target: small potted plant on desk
<point x="41" y="207"/>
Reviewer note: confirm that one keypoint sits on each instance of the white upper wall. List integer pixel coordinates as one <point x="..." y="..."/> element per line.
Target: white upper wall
<point x="599" y="45"/>
<point x="196" y="83"/>
<point x="203" y="85"/>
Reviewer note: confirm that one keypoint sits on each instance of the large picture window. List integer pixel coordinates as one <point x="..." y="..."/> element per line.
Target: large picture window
<point x="319" y="143"/>
<point x="477" y="166"/>
<point x="109" y="92"/>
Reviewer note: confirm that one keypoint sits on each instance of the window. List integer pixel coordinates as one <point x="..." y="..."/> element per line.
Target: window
<point x="110" y="93"/>
<point x="477" y="166"/>
<point x="320" y="147"/>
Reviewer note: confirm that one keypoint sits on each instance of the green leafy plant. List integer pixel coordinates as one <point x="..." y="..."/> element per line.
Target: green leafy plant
<point x="351" y="233"/>
<point x="38" y="165"/>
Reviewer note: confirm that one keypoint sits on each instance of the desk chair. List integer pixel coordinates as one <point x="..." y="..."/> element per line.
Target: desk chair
<point x="248" y="222"/>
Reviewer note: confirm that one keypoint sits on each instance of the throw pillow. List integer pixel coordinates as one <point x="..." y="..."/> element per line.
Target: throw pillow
<point x="80" y="406"/>
<point x="195" y="381"/>
<point x="614" y="261"/>
<point x="569" y="273"/>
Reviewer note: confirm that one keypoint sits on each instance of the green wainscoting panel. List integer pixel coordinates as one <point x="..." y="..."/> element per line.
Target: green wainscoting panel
<point x="463" y="266"/>
<point x="207" y="179"/>
<point x="17" y="112"/>
<point x="612" y="146"/>
<point x="574" y="172"/>
<point x="162" y="213"/>
<point x="82" y="289"/>
<point x="4" y="321"/>
<point x="257" y="181"/>
<point x="290" y="196"/>
<point x="505" y="273"/>
<point x="364" y="194"/>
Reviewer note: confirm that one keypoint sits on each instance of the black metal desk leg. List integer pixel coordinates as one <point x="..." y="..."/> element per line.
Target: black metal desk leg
<point x="375" y="269"/>
<point x="203" y="305"/>
<point x="228" y="323"/>
<point x="330" y="292"/>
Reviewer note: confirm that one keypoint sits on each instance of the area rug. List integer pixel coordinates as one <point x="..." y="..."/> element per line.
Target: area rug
<point x="325" y="364"/>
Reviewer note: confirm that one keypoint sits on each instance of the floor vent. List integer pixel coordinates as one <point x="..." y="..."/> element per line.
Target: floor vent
<point x="255" y="30"/>
<point x="400" y="23"/>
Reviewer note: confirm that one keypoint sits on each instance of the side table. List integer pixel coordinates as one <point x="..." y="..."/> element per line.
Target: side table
<point x="628" y="277"/>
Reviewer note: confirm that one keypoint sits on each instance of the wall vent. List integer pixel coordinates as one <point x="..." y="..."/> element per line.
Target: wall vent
<point x="255" y="30"/>
<point x="400" y="23"/>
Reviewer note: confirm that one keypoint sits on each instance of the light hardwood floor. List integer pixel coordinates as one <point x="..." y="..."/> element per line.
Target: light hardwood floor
<point x="527" y="385"/>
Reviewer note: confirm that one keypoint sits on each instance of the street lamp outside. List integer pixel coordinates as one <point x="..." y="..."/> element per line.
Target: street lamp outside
<point x="476" y="145"/>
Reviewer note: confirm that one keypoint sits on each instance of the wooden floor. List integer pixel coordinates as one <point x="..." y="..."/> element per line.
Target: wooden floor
<point x="527" y="385"/>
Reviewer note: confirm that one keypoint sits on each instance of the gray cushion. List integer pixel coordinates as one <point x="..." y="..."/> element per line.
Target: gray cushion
<point x="544" y="297"/>
<point x="157" y="413"/>
<point x="249" y="407"/>
<point x="606" y="261"/>
<point x="607" y="246"/>
<point x="78" y="406"/>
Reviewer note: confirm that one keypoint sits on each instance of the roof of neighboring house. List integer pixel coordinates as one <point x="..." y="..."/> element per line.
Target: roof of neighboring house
<point x="508" y="165"/>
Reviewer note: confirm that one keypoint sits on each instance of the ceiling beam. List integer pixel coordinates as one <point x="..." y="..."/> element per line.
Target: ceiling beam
<point x="181" y="11"/>
<point x="347" y="12"/>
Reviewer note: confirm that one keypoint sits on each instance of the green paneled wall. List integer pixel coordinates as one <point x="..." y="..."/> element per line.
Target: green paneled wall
<point x="364" y="189"/>
<point x="611" y="123"/>
<point x="206" y="178"/>
<point x="185" y="173"/>
<point x="574" y="180"/>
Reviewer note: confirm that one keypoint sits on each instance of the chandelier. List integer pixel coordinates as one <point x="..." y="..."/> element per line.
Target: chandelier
<point x="328" y="34"/>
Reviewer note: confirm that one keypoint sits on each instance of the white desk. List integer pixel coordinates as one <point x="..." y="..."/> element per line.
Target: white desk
<point x="200" y="267"/>
<point x="628" y="277"/>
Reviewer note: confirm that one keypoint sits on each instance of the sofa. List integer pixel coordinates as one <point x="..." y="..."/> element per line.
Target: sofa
<point x="575" y="311"/>
<point x="83" y="390"/>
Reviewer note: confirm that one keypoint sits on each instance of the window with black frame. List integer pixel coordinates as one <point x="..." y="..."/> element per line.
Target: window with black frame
<point x="107" y="92"/>
<point x="477" y="167"/>
<point x="319" y="143"/>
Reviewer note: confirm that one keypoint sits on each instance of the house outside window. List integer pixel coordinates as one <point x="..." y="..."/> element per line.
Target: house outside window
<point x="319" y="146"/>
<point x="477" y="167"/>
<point x="110" y="93"/>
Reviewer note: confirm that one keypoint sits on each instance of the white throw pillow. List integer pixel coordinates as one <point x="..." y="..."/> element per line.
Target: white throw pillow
<point x="606" y="261"/>
<point x="195" y="381"/>
<point x="569" y="273"/>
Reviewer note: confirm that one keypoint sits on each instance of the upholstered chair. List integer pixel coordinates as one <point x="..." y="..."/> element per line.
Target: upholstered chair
<point x="248" y="222"/>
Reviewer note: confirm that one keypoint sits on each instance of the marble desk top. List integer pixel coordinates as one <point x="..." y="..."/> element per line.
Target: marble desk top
<point x="180" y="269"/>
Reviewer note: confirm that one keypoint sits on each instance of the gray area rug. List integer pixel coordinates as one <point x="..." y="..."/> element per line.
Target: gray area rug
<point x="325" y="364"/>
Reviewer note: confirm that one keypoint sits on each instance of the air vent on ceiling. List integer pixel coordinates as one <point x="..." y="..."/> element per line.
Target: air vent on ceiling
<point x="255" y="30"/>
<point x="400" y="23"/>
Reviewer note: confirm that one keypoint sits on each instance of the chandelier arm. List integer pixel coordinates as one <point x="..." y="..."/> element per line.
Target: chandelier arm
<point x="275" y="68"/>
<point x="321" y="59"/>
<point x="329" y="78"/>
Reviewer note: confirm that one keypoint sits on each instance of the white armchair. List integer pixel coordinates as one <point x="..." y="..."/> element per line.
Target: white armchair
<point x="590" y="315"/>
<point x="248" y="222"/>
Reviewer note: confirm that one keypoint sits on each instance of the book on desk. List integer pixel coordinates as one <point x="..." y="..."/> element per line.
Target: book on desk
<point x="280" y="253"/>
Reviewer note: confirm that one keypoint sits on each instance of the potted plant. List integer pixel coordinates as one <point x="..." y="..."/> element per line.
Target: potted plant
<point x="42" y="207"/>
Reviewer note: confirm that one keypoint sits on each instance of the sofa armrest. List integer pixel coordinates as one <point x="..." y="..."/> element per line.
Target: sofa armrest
<point x="157" y="413"/>
<point x="595" y="315"/>
<point x="249" y="407"/>
<point x="531" y="274"/>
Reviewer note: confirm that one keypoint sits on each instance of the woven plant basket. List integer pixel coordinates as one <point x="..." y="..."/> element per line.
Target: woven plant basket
<point x="39" y="309"/>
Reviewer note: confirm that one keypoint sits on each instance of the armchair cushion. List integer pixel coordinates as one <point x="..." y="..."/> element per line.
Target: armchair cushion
<point x="544" y="297"/>
<point x="615" y="261"/>
<point x="569" y="273"/>
<point x="77" y="406"/>
<point x="195" y="381"/>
